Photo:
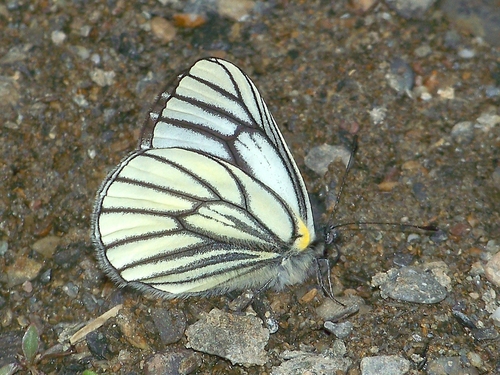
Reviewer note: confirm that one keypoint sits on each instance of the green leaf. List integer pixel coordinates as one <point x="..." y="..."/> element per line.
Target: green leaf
<point x="9" y="369"/>
<point x="30" y="343"/>
<point x="89" y="372"/>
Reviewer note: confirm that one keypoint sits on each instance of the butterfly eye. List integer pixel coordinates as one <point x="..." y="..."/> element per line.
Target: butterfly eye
<point x="332" y="235"/>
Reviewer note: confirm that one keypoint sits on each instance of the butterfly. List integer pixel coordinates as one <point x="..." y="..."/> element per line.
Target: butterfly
<point x="212" y="201"/>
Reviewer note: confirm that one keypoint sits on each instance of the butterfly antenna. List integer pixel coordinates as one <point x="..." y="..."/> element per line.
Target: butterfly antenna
<point x="398" y="226"/>
<point x="331" y="233"/>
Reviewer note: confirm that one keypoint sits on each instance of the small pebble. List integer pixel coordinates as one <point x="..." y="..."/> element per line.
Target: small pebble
<point x="82" y="52"/>
<point x="410" y="8"/>
<point x="377" y="115"/>
<point x="170" y="324"/>
<point x="334" y="311"/>
<point x="89" y="301"/>
<point x="466" y="53"/>
<point x="492" y="247"/>
<point x="21" y="270"/>
<point x="71" y="290"/>
<point x="320" y="157"/>
<point x="448" y="365"/>
<point x="482" y="334"/>
<point x="98" y="345"/>
<point x="413" y="237"/>
<point x="492" y="91"/>
<point x="462" y="132"/>
<point x="486" y="121"/>
<point x="236" y="10"/>
<point x="27" y="286"/>
<point x="46" y="246"/>
<point x="446" y="93"/>
<point x="189" y="20"/>
<point x="496" y="317"/>
<point x="177" y="361"/>
<point x="340" y="330"/>
<point x="81" y="101"/>
<point x="309" y="296"/>
<point x="475" y="359"/>
<point x="68" y="257"/>
<point x="425" y="96"/>
<point x="385" y="364"/>
<point x="163" y="30"/>
<point x="401" y="76"/>
<point x="129" y="327"/>
<point x="299" y="362"/>
<point x="58" y="37"/>
<point x="9" y="91"/>
<point x="17" y="53"/>
<point x="4" y="246"/>
<point x="85" y="30"/>
<point x="423" y="51"/>
<point x="103" y="78"/>
<point x="95" y="58"/>
<point x="387" y="186"/>
<point x="439" y="236"/>
<point x="362" y="6"/>
<point x="124" y="355"/>
<point x="492" y="270"/>
<point x="464" y="320"/>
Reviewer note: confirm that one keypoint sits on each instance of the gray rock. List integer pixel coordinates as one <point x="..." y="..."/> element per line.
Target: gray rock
<point x="334" y="311"/>
<point x="448" y="365"/>
<point x="340" y="330"/>
<point x="401" y="76"/>
<point x="411" y="285"/>
<point x="410" y="8"/>
<point x="385" y="364"/>
<point x="320" y="157"/>
<point x="170" y="324"/>
<point x="239" y="338"/>
<point x="178" y="362"/>
<point x="298" y="362"/>
<point x="463" y="132"/>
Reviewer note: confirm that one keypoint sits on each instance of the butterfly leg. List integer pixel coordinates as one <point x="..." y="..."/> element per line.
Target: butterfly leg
<point x="259" y="304"/>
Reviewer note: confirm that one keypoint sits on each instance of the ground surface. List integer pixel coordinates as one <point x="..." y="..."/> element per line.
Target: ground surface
<point x="76" y="83"/>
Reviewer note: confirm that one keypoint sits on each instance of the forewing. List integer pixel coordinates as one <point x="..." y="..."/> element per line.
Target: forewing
<point x="186" y="223"/>
<point x="216" y="109"/>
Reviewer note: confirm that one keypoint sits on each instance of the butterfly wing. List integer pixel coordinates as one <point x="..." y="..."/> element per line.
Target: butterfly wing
<point x="168" y="224"/>
<point x="215" y="108"/>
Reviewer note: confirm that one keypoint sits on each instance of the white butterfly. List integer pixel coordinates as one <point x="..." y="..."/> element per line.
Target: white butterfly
<point x="212" y="201"/>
